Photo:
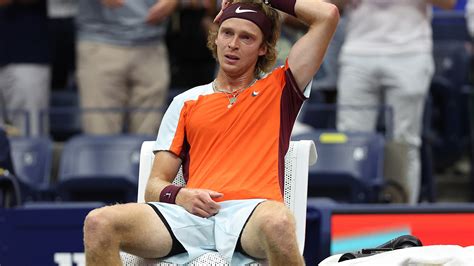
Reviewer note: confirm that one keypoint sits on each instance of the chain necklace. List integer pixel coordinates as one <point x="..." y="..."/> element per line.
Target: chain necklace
<point x="231" y="96"/>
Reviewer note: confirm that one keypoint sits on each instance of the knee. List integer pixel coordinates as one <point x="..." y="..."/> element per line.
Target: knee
<point x="279" y="225"/>
<point x="98" y="227"/>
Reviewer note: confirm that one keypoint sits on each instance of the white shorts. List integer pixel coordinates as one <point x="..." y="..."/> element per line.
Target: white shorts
<point x="217" y="233"/>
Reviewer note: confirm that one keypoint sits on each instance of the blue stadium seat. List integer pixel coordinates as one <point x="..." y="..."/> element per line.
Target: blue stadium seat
<point x="64" y="115"/>
<point x="350" y="167"/>
<point x="32" y="160"/>
<point x="449" y="25"/>
<point x="323" y="116"/>
<point x="100" y="168"/>
<point x="448" y="104"/>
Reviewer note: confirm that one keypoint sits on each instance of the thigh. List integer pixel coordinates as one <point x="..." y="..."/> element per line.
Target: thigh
<point x="30" y="86"/>
<point x="141" y="230"/>
<point x="102" y="75"/>
<point x="28" y="90"/>
<point x="358" y="93"/>
<point x="102" y="79"/>
<point x="151" y="76"/>
<point x="265" y="212"/>
<point x="408" y="79"/>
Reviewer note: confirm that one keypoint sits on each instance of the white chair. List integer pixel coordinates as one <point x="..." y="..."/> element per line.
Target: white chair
<point x="301" y="154"/>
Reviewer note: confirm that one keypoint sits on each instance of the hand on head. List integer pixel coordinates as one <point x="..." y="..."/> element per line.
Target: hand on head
<point x="224" y="5"/>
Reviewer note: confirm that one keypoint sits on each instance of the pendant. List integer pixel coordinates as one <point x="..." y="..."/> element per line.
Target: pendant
<point x="232" y="100"/>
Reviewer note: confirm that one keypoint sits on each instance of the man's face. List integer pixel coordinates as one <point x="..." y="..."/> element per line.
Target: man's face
<point x="239" y="44"/>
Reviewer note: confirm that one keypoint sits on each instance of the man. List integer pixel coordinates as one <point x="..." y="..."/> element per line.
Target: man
<point x="25" y="71"/>
<point x="470" y="16"/>
<point x="387" y="58"/>
<point x="122" y="63"/>
<point x="230" y="136"/>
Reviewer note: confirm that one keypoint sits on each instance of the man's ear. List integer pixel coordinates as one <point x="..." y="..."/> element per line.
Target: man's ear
<point x="262" y="50"/>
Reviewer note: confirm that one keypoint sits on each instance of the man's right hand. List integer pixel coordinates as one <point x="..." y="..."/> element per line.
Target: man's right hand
<point x="199" y="202"/>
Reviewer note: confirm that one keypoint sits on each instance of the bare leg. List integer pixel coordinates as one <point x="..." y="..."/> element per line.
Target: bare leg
<point x="133" y="227"/>
<point x="271" y="233"/>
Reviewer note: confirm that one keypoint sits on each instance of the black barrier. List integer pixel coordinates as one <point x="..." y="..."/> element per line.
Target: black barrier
<point x="43" y="234"/>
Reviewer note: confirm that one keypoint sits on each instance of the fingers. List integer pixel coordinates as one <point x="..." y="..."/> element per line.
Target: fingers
<point x="209" y="205"/>
<point x="214" y="194"/>
<point x="216" y="19"/>
<point x="199" y="201"/>
<point x="224" y="5"/>
<point x="205" y="208"/>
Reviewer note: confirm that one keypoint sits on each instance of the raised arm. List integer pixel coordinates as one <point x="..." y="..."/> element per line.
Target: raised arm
<point x="307" y="53"/>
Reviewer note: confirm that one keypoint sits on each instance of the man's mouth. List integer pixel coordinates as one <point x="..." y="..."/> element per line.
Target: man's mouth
<point x="232" y="57"/>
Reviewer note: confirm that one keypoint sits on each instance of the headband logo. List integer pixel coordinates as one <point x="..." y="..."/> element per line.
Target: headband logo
<point x="238" y="10"/>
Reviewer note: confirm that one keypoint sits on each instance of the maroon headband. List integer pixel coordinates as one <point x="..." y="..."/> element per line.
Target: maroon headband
<point x="249" y="12"/>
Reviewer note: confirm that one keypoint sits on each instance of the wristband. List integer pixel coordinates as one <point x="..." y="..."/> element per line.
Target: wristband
<point x="169" y="193"/>
<point x="287" y="6"/>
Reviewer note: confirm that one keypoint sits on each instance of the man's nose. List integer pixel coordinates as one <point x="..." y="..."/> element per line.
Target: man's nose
<point x="233" y="43"/>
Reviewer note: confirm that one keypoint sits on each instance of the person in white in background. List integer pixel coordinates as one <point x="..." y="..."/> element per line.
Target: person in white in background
<point x="387" y="59"/>
<point x="470" y="16"/>
<point x="25" y="70"/>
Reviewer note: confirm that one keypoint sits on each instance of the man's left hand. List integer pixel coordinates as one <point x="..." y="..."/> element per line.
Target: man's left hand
<point x="159" y="11"/>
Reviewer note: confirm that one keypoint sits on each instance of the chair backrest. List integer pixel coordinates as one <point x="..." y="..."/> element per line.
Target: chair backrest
<point x="92" y="166"/>
<point x="300" y="155"/>
<point x="32" y="162"/>
<point x="352" y="162"/>
<point x="5" y="154"/>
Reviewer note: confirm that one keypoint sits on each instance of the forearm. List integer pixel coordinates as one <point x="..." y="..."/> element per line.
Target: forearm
<point x="445" y="4"/>
<point x="164" y="170"/>
<point x="339" y="3"/>
<point x="316" y="12"/>
<point x="307" y="53"/>
<point x="154" y="188"/>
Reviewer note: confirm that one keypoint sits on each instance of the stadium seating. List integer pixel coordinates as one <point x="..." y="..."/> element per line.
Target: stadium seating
<point x="448" y="125"/>
<point x="350" y="168"/>
<point x="32" y="160"/>
<point x="449" y="25"/>
<point x="323" y="116"/>
<point x="100" y="168"/>
<point x="64" y="116"/>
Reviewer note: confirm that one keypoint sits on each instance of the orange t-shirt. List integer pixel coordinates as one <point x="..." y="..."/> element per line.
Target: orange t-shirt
<point x="238" y="151"/>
